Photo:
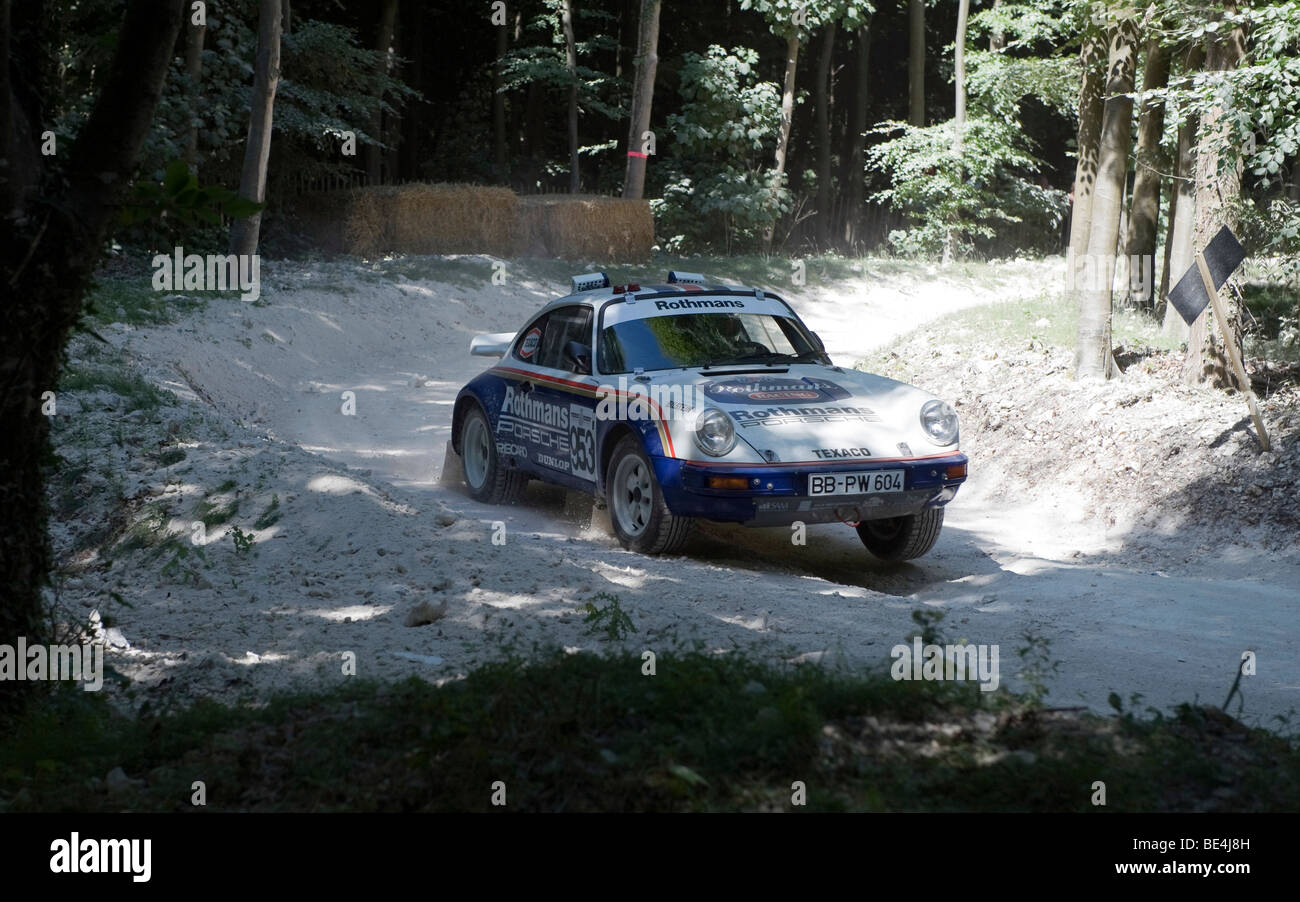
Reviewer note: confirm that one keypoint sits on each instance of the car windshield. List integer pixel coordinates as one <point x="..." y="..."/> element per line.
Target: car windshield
<point x="704" y="340"/>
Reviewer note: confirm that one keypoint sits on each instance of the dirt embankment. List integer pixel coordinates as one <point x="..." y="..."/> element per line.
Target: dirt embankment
<point x="1142" y="453"/>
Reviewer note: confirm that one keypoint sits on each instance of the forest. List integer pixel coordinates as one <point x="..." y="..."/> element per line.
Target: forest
<point x="225" y="484"/>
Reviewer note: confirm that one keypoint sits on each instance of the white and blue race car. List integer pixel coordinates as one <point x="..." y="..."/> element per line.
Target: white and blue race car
<point x="688" y="401"/>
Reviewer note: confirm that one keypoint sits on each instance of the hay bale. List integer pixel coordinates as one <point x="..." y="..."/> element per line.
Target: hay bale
<point x="473" y="219"/>
<point x="412" y="219"/>
<point x="364" y="224"/>
<point x="454" y="219"/>
<point x="579" y="227"/>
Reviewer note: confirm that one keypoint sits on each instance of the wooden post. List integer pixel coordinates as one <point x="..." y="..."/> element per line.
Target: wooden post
<point x="1230" y="343"/>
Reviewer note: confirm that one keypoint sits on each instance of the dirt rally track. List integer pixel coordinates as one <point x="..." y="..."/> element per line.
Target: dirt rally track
<point x="369" y="531"/>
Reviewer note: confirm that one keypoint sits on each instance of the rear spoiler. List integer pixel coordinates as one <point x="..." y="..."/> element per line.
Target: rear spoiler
<point x="491" y="344"/>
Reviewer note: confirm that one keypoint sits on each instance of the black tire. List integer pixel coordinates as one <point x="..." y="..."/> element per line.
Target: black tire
<point x="496" y="484"/>
<point x="640" y="518"/>
<point x="902" y="538"/>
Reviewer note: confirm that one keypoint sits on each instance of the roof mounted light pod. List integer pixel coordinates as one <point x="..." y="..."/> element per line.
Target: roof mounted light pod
<point x="694" y="278"/>
<point x="589" y="281"/>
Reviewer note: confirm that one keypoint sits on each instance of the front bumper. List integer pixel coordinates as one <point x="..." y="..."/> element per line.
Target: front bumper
<point x="778" y="495"/>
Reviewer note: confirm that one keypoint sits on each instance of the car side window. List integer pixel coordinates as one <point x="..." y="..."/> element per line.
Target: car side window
<point x="564" y="325"/>
<point x="528" y="347"/>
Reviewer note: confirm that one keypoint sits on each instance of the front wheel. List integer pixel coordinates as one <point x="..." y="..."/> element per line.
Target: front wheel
<point x="902" y="538"/>
<point x="488" y="480"/>
<point x="637" y="511"/>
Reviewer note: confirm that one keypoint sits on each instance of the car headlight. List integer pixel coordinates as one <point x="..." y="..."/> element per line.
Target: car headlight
<point x="939" y="421"/>
<point x="714" y="432"/>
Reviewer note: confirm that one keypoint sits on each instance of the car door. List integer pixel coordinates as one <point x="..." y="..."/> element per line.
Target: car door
<point x="521" y="429"/>
<point x="567" y="398"/>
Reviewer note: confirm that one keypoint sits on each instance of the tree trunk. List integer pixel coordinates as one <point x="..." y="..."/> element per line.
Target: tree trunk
<point x="997" y="37"/>
<point x="245" y="233"/>
<point x="501" y="154"/>
<point x="411" y="43"/>
<point x="1217" y="189"/>
<point x="787" y="116"/>
<point x="851" y="179"/>
<point x="1182" y="211"/>
<point x="1093" y="358"/>
<point x="48" y="252"/>
<point x="384" y="45"/>
<point x="571" y="64"/>
<point x="1144" y="210"/>
<point x="822" y="92"/>
<point x="194" y="69"/>
<point x="959" y="108"/>
<point x="1092" y="61"/>
<point x="916" y="62"/>
<point x="535" y="122"/>
<point x="647" y="65"/>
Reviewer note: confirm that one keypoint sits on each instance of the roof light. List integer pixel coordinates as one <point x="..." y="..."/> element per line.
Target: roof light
<point x="675" y="277"/>
<point x="589" y="281"/>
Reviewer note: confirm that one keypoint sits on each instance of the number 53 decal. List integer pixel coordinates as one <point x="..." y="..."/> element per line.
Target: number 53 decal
<point x="582" y="442"/>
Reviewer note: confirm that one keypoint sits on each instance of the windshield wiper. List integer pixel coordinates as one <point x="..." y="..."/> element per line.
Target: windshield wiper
<point x="770" y="358"/>
<point x="775" y="357"/>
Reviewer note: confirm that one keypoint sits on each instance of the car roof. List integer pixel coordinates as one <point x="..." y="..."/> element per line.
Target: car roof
<point x="597" y="298"/>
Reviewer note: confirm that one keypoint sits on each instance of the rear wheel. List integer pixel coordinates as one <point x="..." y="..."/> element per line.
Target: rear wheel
<point x="637" y="511"/>
<point x="902" y="538"/>
<point x="488" y="480"/>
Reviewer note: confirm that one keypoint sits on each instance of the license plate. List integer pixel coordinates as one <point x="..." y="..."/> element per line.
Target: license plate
<point x="870" y="483"/>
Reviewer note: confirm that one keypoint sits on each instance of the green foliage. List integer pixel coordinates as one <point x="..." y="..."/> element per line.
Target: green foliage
<point x="183" y="564"/>
<point x="131" y="299"/>
<point x="967" y="194"/>
<point x="1029" y="26"/>
<point x="611" y="619"/>
<point x="332" y="85"/>
<point x="719" y="191"/>
<point x="579" y="732"/>
<point x="998" y="82"/>
<point x="1260" y="105"/>
<point x="785" y="16"/>
<point x="329" y="84"/>
<point x="114" y="376"/>
<point x="174" y="207"/>
<point x="1037" y="667"/>
<point x="270" y="516"/>
<point x="243" y="540"/>
<point x="927" y="621"/>
<point x="216" y="512"/>
<point x="546" y="63"/>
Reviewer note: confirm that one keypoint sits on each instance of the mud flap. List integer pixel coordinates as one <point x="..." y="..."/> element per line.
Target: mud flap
<point x="453" y="471"/>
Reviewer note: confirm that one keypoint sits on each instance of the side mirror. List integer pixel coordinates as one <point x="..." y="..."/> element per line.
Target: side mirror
<point x="577" y="357"/>
<point x="817" y="341"/>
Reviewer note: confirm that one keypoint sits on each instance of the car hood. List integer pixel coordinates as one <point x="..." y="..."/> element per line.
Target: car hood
<point x="801" y="413"/>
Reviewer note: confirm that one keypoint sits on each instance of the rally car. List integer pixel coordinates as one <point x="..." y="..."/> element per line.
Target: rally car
<point x="690" y="400"/>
